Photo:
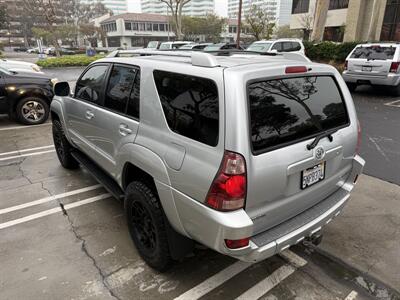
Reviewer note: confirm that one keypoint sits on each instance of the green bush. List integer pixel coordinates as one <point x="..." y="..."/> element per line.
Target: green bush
<point x="68" y="61"/>
<point x="329" y="51"/>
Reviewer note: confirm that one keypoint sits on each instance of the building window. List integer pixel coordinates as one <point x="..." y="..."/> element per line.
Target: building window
<point x="162" y="27"/>
<point x="391" y="22"/>
<point x="334" y="33"/>
<point x="155" y="27"/>
<point x="142" y="27"/>
<point x="135" y="26"/>
<point x="128" y="26"/>
<point x="148" y="27"/>
<point x="338" y="4"/>
<point x="232" y="29"/>
<point x="300" y="6"/>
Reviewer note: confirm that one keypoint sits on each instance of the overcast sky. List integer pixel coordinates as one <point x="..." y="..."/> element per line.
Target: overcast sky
<point x="221" y="6"/>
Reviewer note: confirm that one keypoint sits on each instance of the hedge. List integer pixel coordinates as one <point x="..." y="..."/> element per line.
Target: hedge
<point x="68" y="61"/>
<point x="329" y="51"/>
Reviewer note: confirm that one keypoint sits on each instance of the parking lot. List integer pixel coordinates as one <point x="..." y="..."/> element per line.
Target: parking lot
<point x="64" y="237"/>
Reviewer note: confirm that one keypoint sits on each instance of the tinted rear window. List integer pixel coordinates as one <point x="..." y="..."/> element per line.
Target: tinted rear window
<point x="190" y="105"/>
<point x="374" y="52"/>
<point x="283" y="111"/>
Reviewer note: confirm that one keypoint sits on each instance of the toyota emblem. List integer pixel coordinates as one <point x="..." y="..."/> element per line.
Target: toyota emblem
<point x="319" y="153"/>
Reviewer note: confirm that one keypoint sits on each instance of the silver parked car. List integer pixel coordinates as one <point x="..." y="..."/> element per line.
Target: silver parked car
<point x="246" y="155"/>
<point x="373" y="64"/>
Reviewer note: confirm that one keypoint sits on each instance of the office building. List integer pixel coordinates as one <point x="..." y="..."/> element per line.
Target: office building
<point x="116" y="6"/>
<point x="194" y="8"/>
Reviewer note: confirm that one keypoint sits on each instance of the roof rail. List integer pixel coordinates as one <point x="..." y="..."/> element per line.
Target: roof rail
<point x="200" y="59"/>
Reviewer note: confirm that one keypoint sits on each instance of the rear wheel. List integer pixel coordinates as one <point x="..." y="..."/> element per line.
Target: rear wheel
<point x="147" y="225"/>
<point x="352" y="86"/>
<point x="63" y="147"/>
<point x="396" y="90"/>
<point x="32" y="111"/>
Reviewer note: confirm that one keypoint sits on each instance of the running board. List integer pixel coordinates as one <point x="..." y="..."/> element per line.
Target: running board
<point x="109" y="184"/>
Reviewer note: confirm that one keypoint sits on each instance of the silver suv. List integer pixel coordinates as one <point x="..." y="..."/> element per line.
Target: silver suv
<point x="373" y="64"/>
<point x="246" y="155"/>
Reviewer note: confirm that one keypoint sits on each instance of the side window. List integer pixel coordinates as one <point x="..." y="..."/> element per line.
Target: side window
<point x="134" y="98"/>
<point x="90" y="85"/>
<point x="296" y="46"/>
<point x="190" y="105"/>
<point x="119" y="88"/>
<point x="287" y="46"/>
<point x="277" y="46"/>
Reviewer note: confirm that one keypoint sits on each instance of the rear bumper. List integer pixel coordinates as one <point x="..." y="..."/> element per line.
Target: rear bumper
<point x="211" y="227"/>
<point x="390" y="79"/>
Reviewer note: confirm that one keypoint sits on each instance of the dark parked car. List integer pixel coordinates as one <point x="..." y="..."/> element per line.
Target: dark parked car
<point x="20" y="49"/>
<point x="25" y="96"/>
<point x="63" y="51"/>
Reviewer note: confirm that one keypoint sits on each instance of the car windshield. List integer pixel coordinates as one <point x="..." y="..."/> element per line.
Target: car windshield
<point x="374" y="52"/>
<point x="213" y="47"/>
<point x="165" y="46"/>
<point x="259" y="47"/>
<point x="287" y="110"/>
<point x="186" y="47"/>
<point x="152" y="45"/>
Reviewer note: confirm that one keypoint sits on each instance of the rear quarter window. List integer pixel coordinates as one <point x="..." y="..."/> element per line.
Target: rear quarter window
<point x="288" y="110"/>
<point x="190" y="105"/>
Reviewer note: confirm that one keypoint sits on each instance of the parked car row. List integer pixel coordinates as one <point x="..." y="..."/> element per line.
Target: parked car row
<point x="47" y="50"/>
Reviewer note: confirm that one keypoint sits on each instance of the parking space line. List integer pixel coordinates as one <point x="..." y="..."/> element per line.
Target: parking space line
<point x="26" y="150"/>
<point x="353" y="295"/>
<point x="26" y="155"/>
<point x="214" y="281"/>
<point x="24" y="127"/>
<point x="268" y="283"/>
<point x="395" y="103"/>
<point x="48" y="199"/>
<point x="52" y="211"/>
<point x="293" y="258"/>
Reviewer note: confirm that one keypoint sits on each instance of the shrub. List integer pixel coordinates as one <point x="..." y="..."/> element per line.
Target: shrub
<point x="68" y="61"/>
<point x="329" y="51"/>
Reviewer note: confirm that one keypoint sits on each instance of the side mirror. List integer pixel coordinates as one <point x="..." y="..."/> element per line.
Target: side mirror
<point x="62" y="89"/>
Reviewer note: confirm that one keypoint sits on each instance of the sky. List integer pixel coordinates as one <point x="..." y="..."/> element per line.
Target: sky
<point x="221" y="7"/>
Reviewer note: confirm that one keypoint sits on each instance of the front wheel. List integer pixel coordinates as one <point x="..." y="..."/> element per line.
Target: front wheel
<point x="147" y="225"/>
<point x="63" y="147"/>
<point x="32" y="111"/>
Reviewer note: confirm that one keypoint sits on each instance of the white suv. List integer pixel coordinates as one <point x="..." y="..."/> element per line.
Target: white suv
<point x="373" y="64"/>
<point x="280" y="45"/>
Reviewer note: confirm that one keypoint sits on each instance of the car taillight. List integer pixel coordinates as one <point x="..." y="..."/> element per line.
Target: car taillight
<point x="345" y="64"/>
<point x="235" y="244"/>
<point x="394" y="66"/>
<point x="295" y="69"/>
<point x="358" y="137"/>
<point x="228" y="190"/>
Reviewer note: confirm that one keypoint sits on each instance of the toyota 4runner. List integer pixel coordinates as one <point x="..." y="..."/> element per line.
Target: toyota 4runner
<point x="245" y="154"/>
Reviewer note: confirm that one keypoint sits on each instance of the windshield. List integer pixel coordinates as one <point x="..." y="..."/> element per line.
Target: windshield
<point x="261" y="47"/>
<point x="287" y="110"/>
<point x="213" y="47"/>
<point x="165" y="46"/>
<point x="186" y="47"/>
<point x="152" y="45"/>
<point x="374" y="52"/>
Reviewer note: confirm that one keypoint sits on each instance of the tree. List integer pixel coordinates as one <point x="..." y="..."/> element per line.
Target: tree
<point x="307" y="21"/>
<point x="259" y="22"/>
<point x="210" y="27"/>
<point x="175" y="6"/>
<point x="284" y="31"/>
<point x="3" y="17"/>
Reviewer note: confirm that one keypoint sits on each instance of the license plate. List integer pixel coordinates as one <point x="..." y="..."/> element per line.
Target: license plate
<point x="366" y="68"/>
<point x="312" y="175"/>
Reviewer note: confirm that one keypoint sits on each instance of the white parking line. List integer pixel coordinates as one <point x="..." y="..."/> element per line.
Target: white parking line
<point x="26" y="155"/>
<point x="293" y="258"/>
<point x="395" y="103"/>
<point x="353" y="295"/>
<point x="48" y="199"/>
<point x="52" y="211"/>
<point x="24" y="127"/>
<point x="268" y="283"/>
<point x="214" y="281"/>
<point x="26" y="150"/>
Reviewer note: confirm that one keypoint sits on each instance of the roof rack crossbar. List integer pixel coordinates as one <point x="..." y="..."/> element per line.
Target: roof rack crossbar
<point x="200" y="59"/>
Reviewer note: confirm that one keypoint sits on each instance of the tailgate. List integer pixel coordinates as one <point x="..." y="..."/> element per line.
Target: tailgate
<point x="287" y="115"/>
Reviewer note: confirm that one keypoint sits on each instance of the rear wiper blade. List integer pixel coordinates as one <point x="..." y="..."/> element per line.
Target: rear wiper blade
<point x="320" y="136"/>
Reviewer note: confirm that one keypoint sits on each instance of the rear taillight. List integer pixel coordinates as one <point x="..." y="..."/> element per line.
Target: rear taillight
<point x="228" y="190"/>
<point x="394" y="66"/>
<point x="358" y="137"/>
<point x="235" y="244"/>
<point x="295" y="69"/>
<point x="345" y="64"/>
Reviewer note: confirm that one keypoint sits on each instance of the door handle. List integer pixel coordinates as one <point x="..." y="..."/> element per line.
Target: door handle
<point x="89" y="115"/>
<point x="124" y="130"/>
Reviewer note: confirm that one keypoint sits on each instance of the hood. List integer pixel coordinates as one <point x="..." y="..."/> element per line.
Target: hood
<point x="21" y="73"/>
<point x="14" y="64"/>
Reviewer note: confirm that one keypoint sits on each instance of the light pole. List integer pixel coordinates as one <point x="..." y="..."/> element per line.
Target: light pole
<point x="238" y="26"/>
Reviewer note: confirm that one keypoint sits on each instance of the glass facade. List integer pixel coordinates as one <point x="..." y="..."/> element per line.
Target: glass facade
<point x="391" y="21"/>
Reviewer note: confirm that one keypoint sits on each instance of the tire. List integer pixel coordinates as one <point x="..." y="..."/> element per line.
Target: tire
<point x="352" y="86"/>
<point x="32" y="111"/>
<point x="63" y="147"/>
<point x="396" y="90"/>
<point x="147" y="225"/>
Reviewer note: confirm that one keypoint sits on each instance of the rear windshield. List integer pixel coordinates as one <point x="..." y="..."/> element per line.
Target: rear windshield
<point x="284" y="111"/>
<point x="374" y="52"/>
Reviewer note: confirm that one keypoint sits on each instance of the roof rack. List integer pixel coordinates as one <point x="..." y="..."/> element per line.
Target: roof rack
<point x="200" y="59"/>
